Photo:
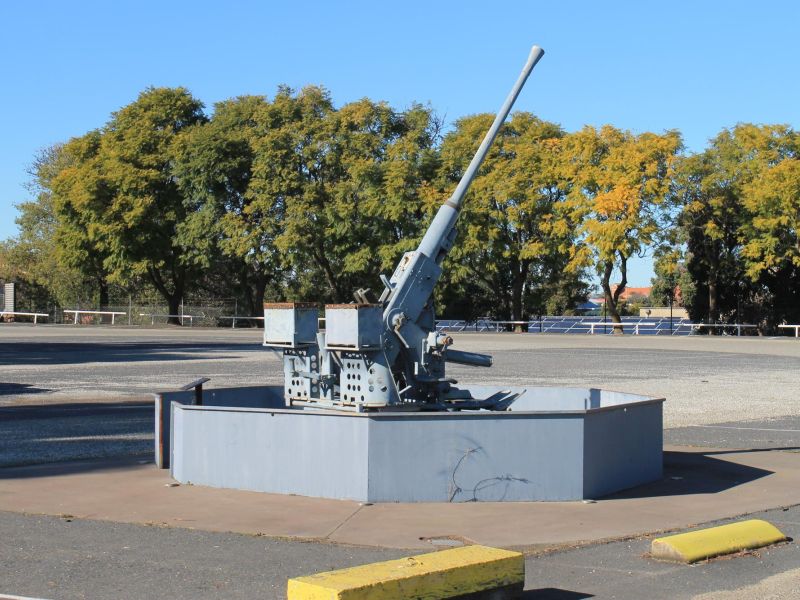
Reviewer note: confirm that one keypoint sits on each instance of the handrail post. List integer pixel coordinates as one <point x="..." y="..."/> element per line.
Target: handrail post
<point x="198" y="389"/>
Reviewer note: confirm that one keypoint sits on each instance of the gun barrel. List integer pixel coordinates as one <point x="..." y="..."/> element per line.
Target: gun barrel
<point x="437" y="239"/>
<point x="468" y="358"/>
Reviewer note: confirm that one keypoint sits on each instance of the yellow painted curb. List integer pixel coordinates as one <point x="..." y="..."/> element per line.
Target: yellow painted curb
<point x="444" y="574"/>
<point x="716" y="541"/>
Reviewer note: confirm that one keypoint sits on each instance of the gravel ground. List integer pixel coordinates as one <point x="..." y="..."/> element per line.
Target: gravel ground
<point x="704" y="379"/>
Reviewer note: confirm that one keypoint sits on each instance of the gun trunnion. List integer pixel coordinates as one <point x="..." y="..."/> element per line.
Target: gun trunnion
<point x="387" y="355"/>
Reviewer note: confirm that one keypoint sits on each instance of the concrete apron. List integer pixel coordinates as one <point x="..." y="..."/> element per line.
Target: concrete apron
<point x="699" y="485"/>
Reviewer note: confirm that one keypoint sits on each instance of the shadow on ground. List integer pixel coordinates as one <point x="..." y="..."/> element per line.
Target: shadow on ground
<point x="8" y="389"/>
<point x="95" y="465"/>
<point x="34" y="353"/>
<point x="553" y="594"/>
<point x="35" y="435"/>
<point x="687" y="473"/>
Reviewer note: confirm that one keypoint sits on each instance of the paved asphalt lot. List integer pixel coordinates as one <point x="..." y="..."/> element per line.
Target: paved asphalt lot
<point x="51" y="557"/>
<point x="72" y="392"/>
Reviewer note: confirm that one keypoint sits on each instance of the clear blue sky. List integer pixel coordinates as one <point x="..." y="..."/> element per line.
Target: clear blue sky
<point x="694" y="66"/>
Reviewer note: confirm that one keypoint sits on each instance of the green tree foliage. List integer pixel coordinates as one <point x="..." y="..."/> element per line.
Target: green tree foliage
<point x="709" y="186"/>
<point x="515" y="233"/>
<point x="771" y="233"/>
<point x="344" y="186"/>
<point x="672" y="284"/>
<point x="622" y="183"/>
<point x="305" y="198"/>
<point x="224" y="231"/>
<point x="739" y="225"/>
<point x="79" y="194"/>
<point x="35" y="256"/>
<point x="119" y="198"/>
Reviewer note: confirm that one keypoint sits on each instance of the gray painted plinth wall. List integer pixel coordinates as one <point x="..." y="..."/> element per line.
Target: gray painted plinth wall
<point x="260" y="396"/>
<point x="555" y="444"/>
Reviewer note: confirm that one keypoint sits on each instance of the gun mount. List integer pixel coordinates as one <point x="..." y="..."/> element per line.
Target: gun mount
<point x="387" y="354"/>
<point x="410" y="441"/>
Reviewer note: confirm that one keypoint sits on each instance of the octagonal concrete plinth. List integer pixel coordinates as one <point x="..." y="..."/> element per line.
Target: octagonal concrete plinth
<point x="553" y="444"/>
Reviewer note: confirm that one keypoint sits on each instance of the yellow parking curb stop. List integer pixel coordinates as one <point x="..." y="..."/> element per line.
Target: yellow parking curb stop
<point x="716" y="541"/>
<point x="438" y="575"/>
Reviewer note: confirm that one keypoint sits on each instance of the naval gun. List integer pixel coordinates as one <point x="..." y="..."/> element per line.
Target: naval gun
<point x="387" y="354"/>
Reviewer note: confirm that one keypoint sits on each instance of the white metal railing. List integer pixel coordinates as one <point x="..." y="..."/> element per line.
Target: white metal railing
<point x="154" y="316"/>
<point x="234" y="318"/>
<point x="510" y="325"/>
<point x="576" y="325"/>
<point x="677" y="326"/>
<point x="795" y="327"/>
<point x="112" y="313"/>
<point x="35" y="315"/>
<point x="592" y="324"/>
<point x="641" y="324"/>
<point x="459" y="325"/>
<point x="737" y="326"/>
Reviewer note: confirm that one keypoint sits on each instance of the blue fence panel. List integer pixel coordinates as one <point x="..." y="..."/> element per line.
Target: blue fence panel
<point x="577" y="325"/>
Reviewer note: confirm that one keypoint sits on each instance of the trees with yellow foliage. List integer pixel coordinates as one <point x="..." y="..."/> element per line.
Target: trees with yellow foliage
<point x="515" y="232"/>
<point x="739" y="222"/>
<point x="772" y="199"/>
<point x="621" y="184"/>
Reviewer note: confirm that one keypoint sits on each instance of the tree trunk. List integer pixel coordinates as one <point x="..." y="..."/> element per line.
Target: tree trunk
<point x="713" y="300"/>
<point x="173" y="299"/>
<point x="517" y="289"/>
<point x="713" y="291"/>
<point x="516" y="304"/>
<point x="261" y="286"/>
<point x="102" y="285"/>
<point x="174" y="302"/>
<point x="611" y="299"/>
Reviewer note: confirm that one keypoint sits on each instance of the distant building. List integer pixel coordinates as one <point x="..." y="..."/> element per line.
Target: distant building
<point x="661" y="312"/>
<point x="630" y="292"/>
<point x="627" y="294"/>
